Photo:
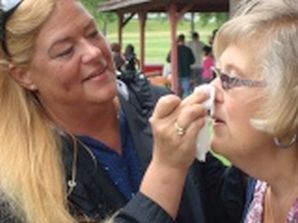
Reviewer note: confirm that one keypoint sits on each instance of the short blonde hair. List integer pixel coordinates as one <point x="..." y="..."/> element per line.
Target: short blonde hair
<point x="272" y="26"/>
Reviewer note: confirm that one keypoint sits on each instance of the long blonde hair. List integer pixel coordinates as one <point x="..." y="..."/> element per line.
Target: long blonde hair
<point x="31" y="169"/>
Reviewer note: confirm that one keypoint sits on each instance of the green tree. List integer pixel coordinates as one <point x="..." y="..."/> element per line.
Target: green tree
<point x="213" y="17"/>
<point x="102" y="19"/>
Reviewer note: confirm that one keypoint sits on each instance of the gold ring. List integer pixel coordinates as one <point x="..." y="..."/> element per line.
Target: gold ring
<point x="179" y="130"/>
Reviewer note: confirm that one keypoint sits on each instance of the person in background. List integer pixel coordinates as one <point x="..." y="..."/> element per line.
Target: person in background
<point x="166" y="70"/>
<point x="256" y="107"/>
<point x="118" y="58"/>
<point x="207" y="64"/>
<point x="196" y="45"/>
<point x="132" y="63"/>
<point x="75" y="143"/>
<point x="185" y="60"/>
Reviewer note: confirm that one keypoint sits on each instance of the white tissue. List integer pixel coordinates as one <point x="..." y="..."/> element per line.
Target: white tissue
<point x="203" y="136"/>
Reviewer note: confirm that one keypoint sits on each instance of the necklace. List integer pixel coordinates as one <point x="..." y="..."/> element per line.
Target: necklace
<point x="72" y="183"/>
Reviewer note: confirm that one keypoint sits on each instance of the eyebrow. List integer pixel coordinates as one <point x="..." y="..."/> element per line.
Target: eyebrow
<point x="89" y="24"/>
<point x="233" y="67"/>
<point x="60" y="41"/>
<point x="66" y="39"/>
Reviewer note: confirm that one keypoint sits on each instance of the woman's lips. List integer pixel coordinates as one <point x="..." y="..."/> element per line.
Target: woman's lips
<point x="217" y="120"/>
<point x="95" y="74"/>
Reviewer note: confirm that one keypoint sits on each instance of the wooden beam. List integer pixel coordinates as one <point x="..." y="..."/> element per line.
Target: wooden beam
<point x="121" y="24"/>
<point x="120" y="28"/>
<point x="185" y="9"/>
<point x="115" y="5"/>
<point x="192" y="24"/>
<point x="172" y="11"/>
<point x="142" y="15"/>
<point x="128" y="19"/>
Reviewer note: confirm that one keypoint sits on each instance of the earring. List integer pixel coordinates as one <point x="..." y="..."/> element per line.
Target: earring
<point x="282" y="145"/>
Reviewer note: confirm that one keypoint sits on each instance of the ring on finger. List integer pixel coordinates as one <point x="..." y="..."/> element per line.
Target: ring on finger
<point x="179" y="130"/>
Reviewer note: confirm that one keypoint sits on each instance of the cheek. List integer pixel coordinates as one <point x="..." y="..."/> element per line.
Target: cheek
<point x="106" y="49"/>
<point x="50" y="75"/>
<point x="239" y="117"/>
<point x="67" y="73"/>
<point x="241" y="110"/>
<point x="107" y="54"/>
<point x="241" y="136"/>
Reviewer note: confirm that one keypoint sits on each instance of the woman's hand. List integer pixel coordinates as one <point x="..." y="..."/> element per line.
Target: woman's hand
<point x="175" y="125"/>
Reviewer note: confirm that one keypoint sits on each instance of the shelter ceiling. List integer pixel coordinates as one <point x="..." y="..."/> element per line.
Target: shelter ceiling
<point x="131" y="6"/>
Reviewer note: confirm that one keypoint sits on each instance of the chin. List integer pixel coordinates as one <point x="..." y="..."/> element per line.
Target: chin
<point x="105" y="93"/>
<point x="214" y="147"/>
<point x="109" y="92"/>
<point x="218" y="146"/>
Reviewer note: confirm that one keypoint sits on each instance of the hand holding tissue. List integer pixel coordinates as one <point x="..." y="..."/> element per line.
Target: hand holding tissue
<point x="203" y="136"/>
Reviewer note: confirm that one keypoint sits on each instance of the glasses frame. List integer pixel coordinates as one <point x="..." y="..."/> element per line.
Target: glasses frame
<point x="228" y="82"/>
<point x="7" y="8"/>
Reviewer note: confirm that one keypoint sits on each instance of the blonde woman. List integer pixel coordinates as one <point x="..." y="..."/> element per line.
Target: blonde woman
<point x="75" y="143"/>
<point x="256" y="108"/>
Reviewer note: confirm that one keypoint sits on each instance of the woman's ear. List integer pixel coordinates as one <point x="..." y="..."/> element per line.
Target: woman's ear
<point x="22" y="76"/>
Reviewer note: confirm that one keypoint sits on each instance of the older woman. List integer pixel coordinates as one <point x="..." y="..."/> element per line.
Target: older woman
<point x="73" y="145"/>
<point x="256" y="108"/>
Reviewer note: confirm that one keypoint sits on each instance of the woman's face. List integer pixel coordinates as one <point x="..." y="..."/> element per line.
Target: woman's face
<point x="72" y="64"/>
<point x="233" y="135"/>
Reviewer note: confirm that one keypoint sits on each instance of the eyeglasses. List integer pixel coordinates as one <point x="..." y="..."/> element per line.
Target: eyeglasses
<point x="7" y="7"/>
<point x="228" y="82"/>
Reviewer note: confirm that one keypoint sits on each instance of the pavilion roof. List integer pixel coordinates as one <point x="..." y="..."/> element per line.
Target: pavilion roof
<point x="131" y="6"/>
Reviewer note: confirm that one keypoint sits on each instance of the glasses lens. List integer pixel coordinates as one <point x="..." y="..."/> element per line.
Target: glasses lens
<point x="225" y="81"/>
<point x="228" y="82"/>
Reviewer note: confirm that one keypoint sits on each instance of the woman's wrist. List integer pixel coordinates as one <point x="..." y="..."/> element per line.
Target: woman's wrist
<point x="164" y="185"/>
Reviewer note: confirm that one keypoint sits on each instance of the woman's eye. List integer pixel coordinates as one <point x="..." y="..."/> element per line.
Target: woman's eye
<point x="66" y="52"/>
<point x="93" y="34"/>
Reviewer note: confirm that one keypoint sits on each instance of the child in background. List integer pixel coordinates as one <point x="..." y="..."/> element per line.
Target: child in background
<point x="207" y="64"/>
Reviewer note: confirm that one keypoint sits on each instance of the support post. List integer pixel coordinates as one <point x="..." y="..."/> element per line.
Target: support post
<point x="142" y="22"/>
<point x="172" y="11"/>
<point x="120" y="28"/>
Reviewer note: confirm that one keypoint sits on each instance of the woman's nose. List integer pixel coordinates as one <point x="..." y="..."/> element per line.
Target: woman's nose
<point x="218" y="89"/>
<point x="90" y="52"/>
